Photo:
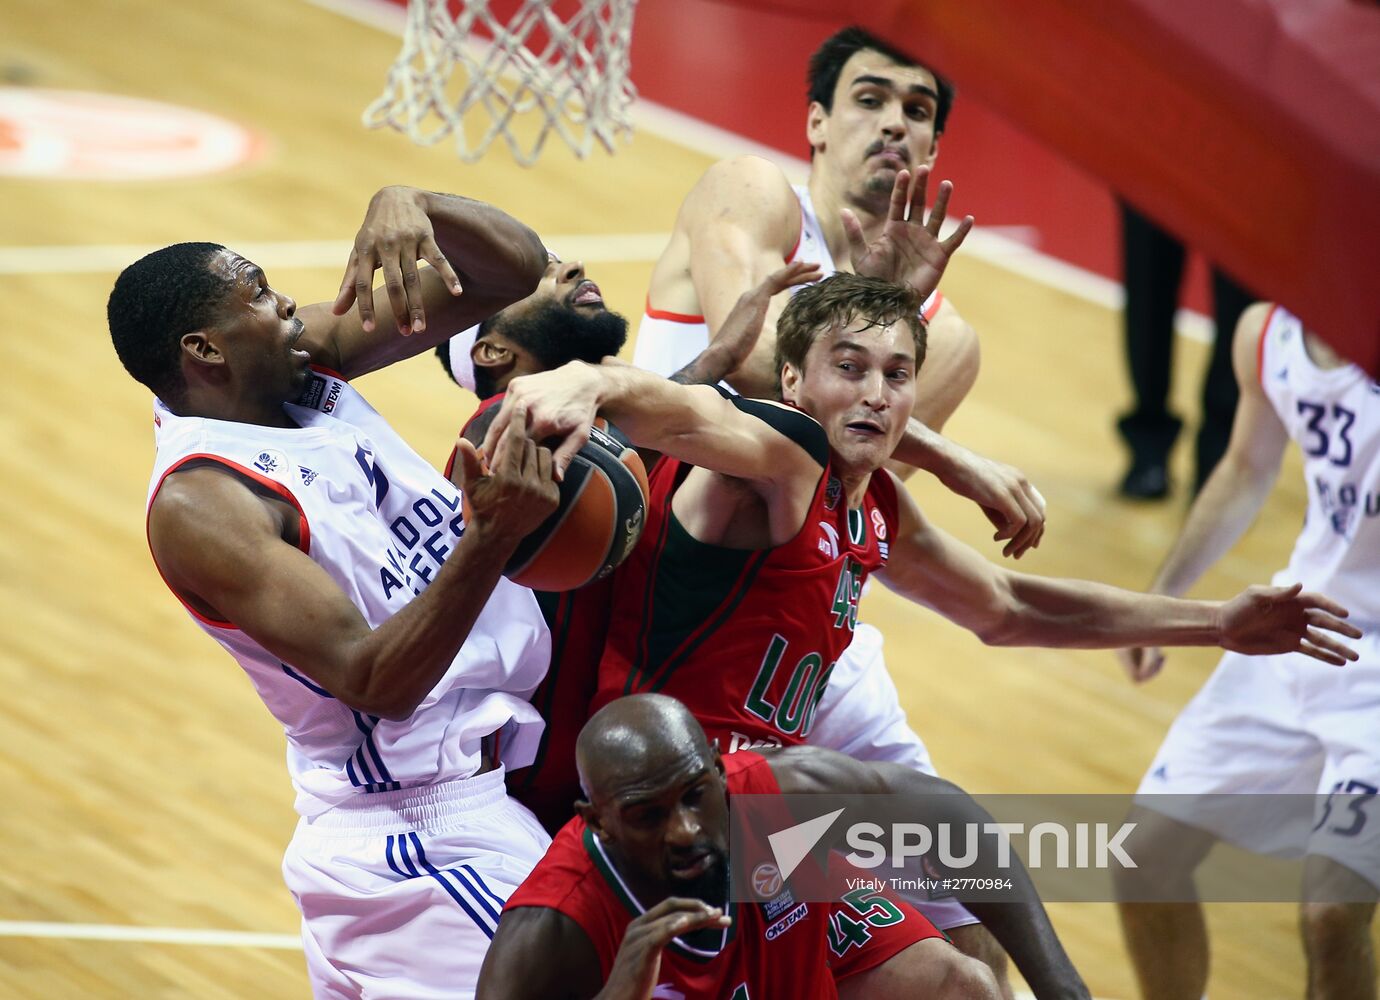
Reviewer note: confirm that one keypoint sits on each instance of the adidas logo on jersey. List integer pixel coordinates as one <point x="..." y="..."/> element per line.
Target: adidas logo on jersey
<point x="308" y="476"/>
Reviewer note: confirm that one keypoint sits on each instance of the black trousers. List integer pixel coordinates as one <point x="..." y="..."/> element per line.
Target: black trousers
<point x="1153" y="264"/>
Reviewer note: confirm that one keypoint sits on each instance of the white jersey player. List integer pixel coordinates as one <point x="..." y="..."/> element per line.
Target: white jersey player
<point x="1281" y="724"/>
<point x="668" y="341"/>
<point x="335" y="565"/>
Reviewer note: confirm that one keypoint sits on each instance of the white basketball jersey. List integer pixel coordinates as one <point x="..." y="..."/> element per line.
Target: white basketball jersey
<point x="1334" y="416"/>
<point x="667" y="342"/>
<point x="381" y="521"/>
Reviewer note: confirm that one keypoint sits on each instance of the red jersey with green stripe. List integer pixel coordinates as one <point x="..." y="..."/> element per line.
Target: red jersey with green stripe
<point x="774" y="949"/>
<point x="745" y="638"/>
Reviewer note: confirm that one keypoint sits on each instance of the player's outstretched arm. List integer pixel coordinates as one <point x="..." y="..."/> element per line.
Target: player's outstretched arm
<point x="1014" y="506"/>
<point x="738" y="335"/>
<point x="539" y="954"/>
<point x="481" y="258"/>
<point x="1019" y="922"/>
<point x="693" y="423"/>
<point x="1006" y="608"/>
<point x="231" y="552"/>
<point x="1233" y="495"/>
<point x="741" y="220"/>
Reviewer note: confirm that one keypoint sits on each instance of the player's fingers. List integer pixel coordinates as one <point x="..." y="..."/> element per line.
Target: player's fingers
<point x="1322" y="619"/>
<point x="1320" y="653"/>
<point x="960" y="234"/>
<point x="544" y="464"/>
<point x="346" y="296"/>
<point x="498" y="425"/>
<point x="1326" y="604"/>
<point x="412" y="290"/>
<point x="900" y="196"/>
<point x="675" y="924"/>
<point x="852" y="229"/>
<point x="801" y="272"/>
<point x="468" y="463"/>
<point x="512" y="443"/>
<point x="915" y="195"/>
<point x="397" y="290"/>
<point x="432" y="254"/>
<point x="1151" y="662"/>
<point x="1322" y="640"/>
<point x="941" y="208"/>
<point x="365" y="263"/>
<point x="568" y="449"/>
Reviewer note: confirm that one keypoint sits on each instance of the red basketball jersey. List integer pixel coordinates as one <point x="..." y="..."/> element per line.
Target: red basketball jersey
<point x="774" y="949"/>
<point x="745" y="638"/>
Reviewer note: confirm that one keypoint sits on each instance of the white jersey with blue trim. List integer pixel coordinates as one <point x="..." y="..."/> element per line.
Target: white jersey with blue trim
<point x="380" y="520"/>
<point x="1334" y="416"/>
<point x="667" y="342"/>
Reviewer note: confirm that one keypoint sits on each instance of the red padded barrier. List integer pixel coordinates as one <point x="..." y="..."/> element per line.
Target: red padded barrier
<point x="1252" y="127"/>
<point x="1249" y="127"/>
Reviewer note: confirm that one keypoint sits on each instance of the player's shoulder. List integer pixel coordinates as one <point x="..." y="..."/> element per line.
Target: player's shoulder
<point x="1248" y="340"/>
<point x="750" y="185"/>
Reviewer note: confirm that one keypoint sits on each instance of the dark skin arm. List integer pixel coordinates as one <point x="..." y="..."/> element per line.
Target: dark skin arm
<point x="568" y="968"/>
<point x="1022" y="928"/>
<point x="231" y="553"/>
<point x="481" y="258"/>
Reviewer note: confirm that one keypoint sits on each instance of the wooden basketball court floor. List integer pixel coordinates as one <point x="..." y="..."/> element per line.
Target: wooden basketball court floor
<point x="146" y="801"/>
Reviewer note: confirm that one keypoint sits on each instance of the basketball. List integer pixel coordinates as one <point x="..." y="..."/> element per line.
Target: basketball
<point x="599" y="518"/>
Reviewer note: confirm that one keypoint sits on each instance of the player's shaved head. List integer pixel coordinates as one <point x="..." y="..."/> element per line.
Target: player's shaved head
<point x="657" y="800"/>
<point x="634" y="741"/>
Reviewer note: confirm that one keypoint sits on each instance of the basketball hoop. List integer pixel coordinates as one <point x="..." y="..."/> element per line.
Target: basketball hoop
<point x="539" y="74"/>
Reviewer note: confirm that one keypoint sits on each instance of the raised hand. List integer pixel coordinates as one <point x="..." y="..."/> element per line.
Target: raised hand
<point x="396" y="234"/>
<point x="517" y="490"/>
<point x="743" y="325"/>
<point x="1264" y="620"/>
<point x="909" y="250"/>
<point x="637" y="965"/>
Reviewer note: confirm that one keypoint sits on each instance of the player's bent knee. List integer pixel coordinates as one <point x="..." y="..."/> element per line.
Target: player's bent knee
<point x="1166" y="853"/>
<point x="1333" y="923"/>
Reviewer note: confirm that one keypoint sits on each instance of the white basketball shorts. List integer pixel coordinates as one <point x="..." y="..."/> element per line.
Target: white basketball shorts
<point x="401" y="892"/>
<point x="1287" y="725"/>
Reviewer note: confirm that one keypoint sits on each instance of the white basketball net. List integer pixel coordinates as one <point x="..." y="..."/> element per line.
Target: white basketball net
<point x="577" y="85"/>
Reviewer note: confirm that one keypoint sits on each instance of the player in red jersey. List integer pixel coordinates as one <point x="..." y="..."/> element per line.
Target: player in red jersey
<point x="631" y="900"/>
<point x="566" y="319"/>
<point x="750" y="657"/>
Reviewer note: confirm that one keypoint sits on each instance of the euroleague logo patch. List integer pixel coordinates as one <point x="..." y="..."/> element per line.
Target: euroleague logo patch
<point x="74" y="135"/>
<point x="879" y="524"/>
<point x="766" y="880"/>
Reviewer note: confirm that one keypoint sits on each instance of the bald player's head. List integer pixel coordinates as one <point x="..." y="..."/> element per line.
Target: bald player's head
<point x="656" y="798"/>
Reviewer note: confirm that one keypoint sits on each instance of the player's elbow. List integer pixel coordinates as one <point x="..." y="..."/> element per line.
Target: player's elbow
<point x="385" y="700"/>
<point x="999" y="621"/>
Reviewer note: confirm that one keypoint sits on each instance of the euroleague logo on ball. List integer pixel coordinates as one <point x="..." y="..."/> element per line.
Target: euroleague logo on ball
<point x="766" y="880"/>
